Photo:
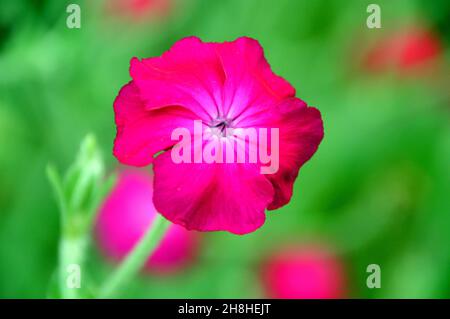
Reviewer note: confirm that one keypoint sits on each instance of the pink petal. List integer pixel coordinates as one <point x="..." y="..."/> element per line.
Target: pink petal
<point x="211" y="197"/>
<point x="142" y="133"/>
<point x="250" y="86"/>
<point x="189" y="75"/>
<point x="301" y="131"/>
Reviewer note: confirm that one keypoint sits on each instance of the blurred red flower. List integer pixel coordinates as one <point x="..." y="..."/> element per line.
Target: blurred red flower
<point x="138" y="10"/>
<point x="304" y="272"/>
<point x="125" y="216"/>
<point x="404" y="51"/>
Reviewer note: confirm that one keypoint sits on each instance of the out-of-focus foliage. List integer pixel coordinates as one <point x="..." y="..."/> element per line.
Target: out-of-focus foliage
<point x="377" y="189"/>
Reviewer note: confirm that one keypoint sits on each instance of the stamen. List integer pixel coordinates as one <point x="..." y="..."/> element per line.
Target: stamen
<point x="222" y="125"/>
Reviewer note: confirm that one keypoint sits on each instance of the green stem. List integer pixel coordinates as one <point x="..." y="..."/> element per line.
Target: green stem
<point x="71" y="253"/>
<point x="136" y="258"/>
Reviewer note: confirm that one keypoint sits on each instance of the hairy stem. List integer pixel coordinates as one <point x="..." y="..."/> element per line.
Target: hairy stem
<point x="136" y="258"/>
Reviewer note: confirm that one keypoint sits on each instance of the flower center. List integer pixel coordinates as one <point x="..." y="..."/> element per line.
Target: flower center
<point x="221" y="127"/>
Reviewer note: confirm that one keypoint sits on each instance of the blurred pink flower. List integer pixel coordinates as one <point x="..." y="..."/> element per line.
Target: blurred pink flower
<point x="125" y="216"/>
<point x="304" y="272"/>
<point x="227" y="85"/>
<point x="405" y="51"/>
<point x="139" y="10"/>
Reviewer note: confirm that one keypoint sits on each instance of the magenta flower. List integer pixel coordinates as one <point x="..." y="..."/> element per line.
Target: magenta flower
<point x="125" y="216"/>
<point x="304" y="272"/>
<point x="225" y="85"/>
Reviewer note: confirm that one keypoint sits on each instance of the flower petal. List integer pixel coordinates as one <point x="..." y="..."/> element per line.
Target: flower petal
<point x="142" y="133"/>
<point x="250" y="84"/>
<point x="301" y="131"/>
<point x="189" y="75"/>
<point x="211" y="197"/>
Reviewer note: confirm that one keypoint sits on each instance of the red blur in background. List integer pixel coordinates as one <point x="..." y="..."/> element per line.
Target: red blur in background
<point x="127" y="213"/>
<point x="304" y="272"/>
<point x="406" y="51"/>
<point x="139" y="10"/>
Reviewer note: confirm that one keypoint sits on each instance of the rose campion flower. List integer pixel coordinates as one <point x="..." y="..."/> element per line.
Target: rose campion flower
<point x="226" y="85"/>
<point x="125" y="216"/>
<point x="304" y="272"/>
<point x="405" y="50"/>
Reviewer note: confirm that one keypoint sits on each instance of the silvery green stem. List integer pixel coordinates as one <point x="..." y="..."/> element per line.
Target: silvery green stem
<point x="136" y="258"/>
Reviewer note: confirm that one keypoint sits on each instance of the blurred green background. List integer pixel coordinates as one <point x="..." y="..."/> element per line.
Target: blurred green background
<point x="377" y="189"/>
